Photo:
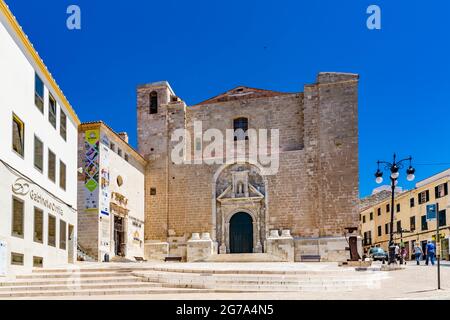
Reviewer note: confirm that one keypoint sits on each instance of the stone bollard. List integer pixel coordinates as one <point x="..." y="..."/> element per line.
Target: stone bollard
<point x="199" y="248"/>
<point x="283" y="246"/>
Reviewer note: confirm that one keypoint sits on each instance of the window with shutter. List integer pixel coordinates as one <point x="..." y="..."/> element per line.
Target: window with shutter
<point x="412" y="223"/>
<point x="441" y="190"/>
<point x="424" y="223"/>
<point x="442" y="218"/>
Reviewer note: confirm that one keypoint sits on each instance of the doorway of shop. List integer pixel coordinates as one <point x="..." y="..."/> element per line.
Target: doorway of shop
<point x="119" y="236"/>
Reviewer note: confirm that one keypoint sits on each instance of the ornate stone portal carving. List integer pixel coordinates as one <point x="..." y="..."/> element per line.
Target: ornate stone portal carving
<point x="240" y="189"/>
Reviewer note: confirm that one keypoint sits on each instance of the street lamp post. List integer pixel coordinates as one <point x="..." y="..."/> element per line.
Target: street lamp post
<point x="394" y="168"/>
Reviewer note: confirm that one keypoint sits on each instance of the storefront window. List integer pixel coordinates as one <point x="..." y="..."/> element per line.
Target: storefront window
<point x="18" y="218"/>
<point x="51" y="230"/>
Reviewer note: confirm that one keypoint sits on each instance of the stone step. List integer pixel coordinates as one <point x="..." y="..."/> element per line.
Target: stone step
<point x="230" y="271"/>
<point x="244" y="257"/>
<point x="40" y="282"/>
<point x="99" y="292"/>
<point x="106" y="269"/>
<point x="256" y="277"/>
<point x="68" y="275"/>
<point x="214" y="283"/>
<point x="81" y="286"/>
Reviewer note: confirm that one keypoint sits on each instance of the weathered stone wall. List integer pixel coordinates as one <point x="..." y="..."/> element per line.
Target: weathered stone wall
<point x="314" y="193"/>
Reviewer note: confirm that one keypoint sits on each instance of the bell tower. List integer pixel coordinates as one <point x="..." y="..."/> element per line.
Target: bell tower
<point x="152" y="102"/>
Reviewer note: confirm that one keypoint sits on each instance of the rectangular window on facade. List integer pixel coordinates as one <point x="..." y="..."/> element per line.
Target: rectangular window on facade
<point x="119" y="152"/>
<point x="386" y="228"/>
<point x="371" y="216"/>
<point x="62" y="235"/>
<point x="388" y="208"/>
<point x="424" y="197"/>
<point x="379" y="231"/>
<point x="18" y="218"/>
<point x="379" y="211"/>
<point x="39" y="93"/>
<point x="364" y="219"/>
<point x="38" y="262"/>
<point x="51" y="230"/>
<point x="153" y="192"/>
<point x="62" y="175"/>
<point x="63" y="125"/>
<point x="112" y="146"/>
<point x="52" y="110"/>
<point x="18" y="135"/>
<point x="127" y="157"/>
<point x="442" y="218"/>
<point x="51" y="166"/>
<point x="441" y="190"/>
<point x="399" y="226"/>
<point x="412" y="223"/>
<point x="240" y="129"/>
<point x="424" y="223"/>
<point x="398" y="207"/>
<point x="412" y="202"/>
<point x="16" y="259"/>
<point x="38" y="154"/>
<point x="38" y="225"/>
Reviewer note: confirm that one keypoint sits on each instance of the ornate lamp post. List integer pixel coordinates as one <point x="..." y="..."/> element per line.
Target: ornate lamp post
<point x="394" y="168"/>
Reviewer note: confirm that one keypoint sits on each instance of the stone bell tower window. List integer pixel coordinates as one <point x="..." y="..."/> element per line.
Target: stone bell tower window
<point x="153" y="102"/>
<point x="240" y="129"/>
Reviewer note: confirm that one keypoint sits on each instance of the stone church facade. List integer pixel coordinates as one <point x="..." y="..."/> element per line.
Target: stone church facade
<point x="195" y="211"/>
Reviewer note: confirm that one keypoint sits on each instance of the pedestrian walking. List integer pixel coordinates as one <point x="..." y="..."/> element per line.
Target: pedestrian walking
<point x="397" y="253"/>
<point x="418" y="253"/>
<point x="403" y="254"/>
<point x="431" y="251"/>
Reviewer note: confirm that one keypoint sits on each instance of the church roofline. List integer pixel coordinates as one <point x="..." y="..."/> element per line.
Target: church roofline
<point x="245" y="93"/>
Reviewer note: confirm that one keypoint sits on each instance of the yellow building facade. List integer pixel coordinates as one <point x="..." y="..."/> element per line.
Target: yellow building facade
<point x="410" y="223"/>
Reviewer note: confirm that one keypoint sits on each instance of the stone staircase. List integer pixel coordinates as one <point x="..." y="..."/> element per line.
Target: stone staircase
<point x="82" y="254"/>
<point x="58" y="283"/>
<point x="128" y="280"/>
<point x="241" y="280"/>
<point x="244" y="257"/>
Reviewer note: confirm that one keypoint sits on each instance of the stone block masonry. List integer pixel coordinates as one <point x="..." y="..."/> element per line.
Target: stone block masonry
<point x="314" y="194"/>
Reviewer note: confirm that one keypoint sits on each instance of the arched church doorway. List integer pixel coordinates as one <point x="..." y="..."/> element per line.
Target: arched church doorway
<point x="241" y="233"/>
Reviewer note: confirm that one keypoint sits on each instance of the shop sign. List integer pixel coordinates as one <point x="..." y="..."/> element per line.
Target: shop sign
<point x="22" y="187"/>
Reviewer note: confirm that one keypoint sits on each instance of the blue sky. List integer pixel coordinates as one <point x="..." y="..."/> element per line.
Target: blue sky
<point x="204" y="48"/>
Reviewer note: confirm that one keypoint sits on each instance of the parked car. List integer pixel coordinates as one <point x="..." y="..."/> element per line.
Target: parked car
<point x="378" y="254"/>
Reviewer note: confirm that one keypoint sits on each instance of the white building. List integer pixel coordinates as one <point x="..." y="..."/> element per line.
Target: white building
<point x="110" y="195"/>
<point x="38" y="159"/>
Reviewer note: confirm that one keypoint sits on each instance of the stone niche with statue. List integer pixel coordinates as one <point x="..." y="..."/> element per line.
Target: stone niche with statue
<point x="241" y="209"/>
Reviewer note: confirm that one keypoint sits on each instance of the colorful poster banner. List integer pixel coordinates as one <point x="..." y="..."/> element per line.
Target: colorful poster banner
<point x="105" y="194"/>
<point x="91" y="168"/>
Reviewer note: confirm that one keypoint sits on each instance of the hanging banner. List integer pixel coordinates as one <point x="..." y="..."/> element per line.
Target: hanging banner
<point x="105" y="195"/>
<point x="91" y="169"/>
